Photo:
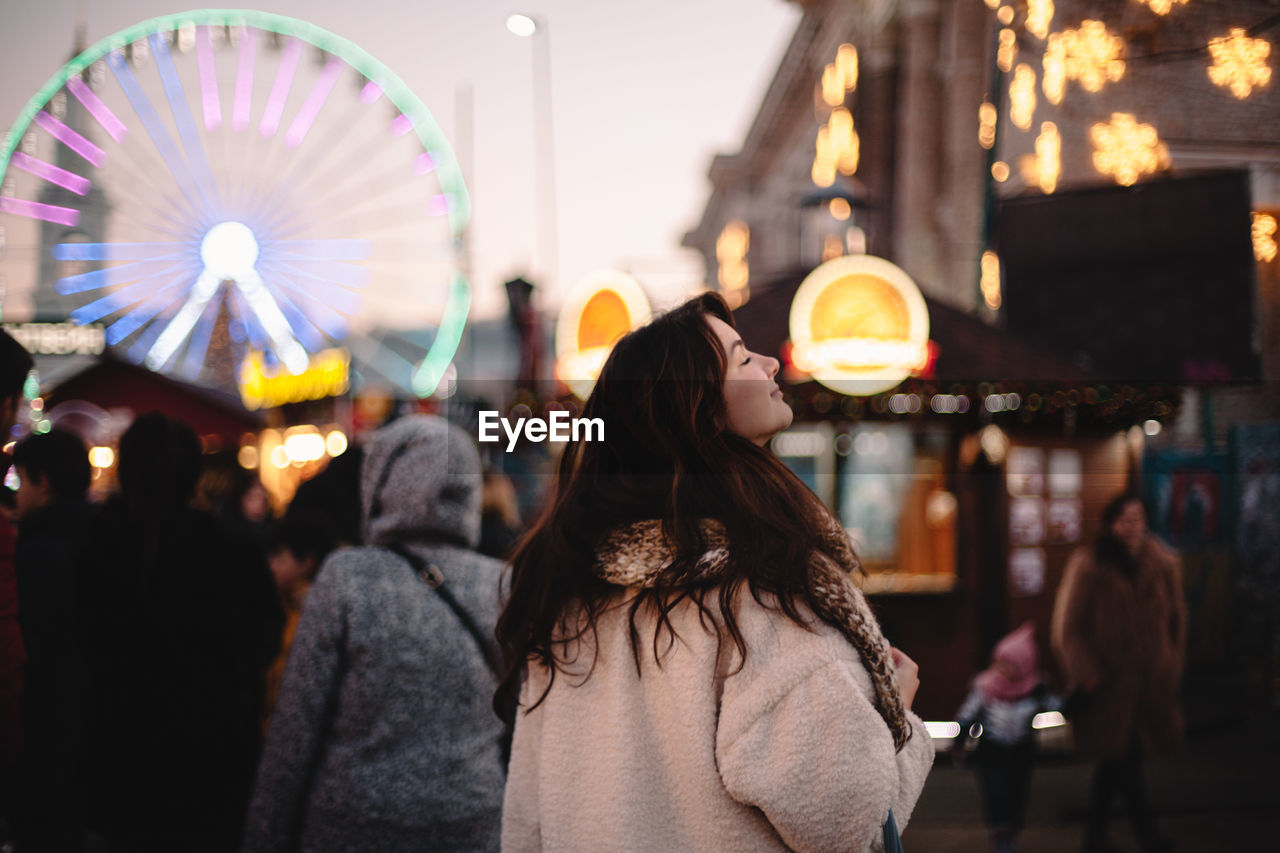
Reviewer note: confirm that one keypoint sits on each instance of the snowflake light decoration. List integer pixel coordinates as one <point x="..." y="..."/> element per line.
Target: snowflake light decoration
<point x="1239" y="62"/>
<point x="1090" y="55"/>
<point x="1126" y="149"/>
<point x="1162" y="7"/>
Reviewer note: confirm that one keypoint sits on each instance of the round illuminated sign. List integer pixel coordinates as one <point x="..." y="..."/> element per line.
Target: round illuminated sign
<point x="602" y="308"/>
<point x="859" y="325"/>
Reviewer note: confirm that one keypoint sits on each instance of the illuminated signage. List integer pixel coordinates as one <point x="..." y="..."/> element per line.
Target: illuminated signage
<point x="327" y="375"/>
<point x="603" y="308"/>
<point x="859" y="325"/>
<point x="59" y="338"/>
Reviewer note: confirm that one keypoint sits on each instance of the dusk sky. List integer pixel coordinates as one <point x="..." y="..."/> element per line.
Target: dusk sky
<point x="644" y="94"/>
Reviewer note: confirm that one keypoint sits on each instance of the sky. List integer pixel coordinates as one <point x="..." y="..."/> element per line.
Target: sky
<point x="643" y="95"/>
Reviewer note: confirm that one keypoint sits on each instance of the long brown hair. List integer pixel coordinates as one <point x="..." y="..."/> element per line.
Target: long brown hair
<point x="668" y="455"/>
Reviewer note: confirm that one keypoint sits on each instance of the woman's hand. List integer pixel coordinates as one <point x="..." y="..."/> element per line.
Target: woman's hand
<point x="908" y="676"/>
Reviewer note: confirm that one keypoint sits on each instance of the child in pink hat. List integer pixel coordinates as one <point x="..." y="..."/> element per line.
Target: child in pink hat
<point x="1004" y="700"/>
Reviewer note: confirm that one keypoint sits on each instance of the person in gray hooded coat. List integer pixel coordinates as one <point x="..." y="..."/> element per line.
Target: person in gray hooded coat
<point x="384" y="738"/>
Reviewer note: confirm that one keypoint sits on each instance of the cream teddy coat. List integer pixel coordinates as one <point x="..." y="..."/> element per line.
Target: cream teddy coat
<point x="709" y="752"/>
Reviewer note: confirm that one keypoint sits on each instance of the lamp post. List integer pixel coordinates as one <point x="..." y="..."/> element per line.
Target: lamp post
<point x="536" y="29"/>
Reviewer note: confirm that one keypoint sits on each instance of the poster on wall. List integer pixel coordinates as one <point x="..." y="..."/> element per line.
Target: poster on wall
<point x="1025" y="471"/>
<point x="1026" y="521"/>
<point x="1188" y="498"/>
<point x="1065" y="478"/>
<point x="1064" y="521"/>
<point x="1026" y="571"/>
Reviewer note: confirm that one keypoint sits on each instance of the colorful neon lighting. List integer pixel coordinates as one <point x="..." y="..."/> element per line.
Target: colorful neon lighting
<point x="370" y="93"/>
<point x="155" y="129"/>
<point x="51" y="173"/>
<point x="209" y="100"/>
<point x="71" y="139"/>
<point x="315" y="100"/>
<point x="280" y="88"/>
<point x="244" y="83"/>
<point x="36" y="210"/>
<point x="423" y="163"/>
<point x="100" y="111"/>
<point x="187" y="132"/>
<point x="249" y="303"/>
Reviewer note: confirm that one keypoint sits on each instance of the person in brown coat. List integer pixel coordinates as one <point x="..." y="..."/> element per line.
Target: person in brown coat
<point x="1119" y="631"/>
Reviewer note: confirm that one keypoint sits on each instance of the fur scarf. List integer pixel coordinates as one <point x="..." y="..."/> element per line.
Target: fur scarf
<point x="637" y="554"/>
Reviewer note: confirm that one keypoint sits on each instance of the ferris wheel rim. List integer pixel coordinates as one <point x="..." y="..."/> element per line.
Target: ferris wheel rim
<point x="427" y="375"/>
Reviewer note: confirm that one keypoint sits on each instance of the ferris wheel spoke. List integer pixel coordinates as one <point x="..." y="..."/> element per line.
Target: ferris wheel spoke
<point x="323" y="287"/>
<point x="70" y="138"/>
<point x="107" y="276"/>
<point x="348" y="197"/>
<point x="210" y="103"/>
<point x="101" y="112"/>
<point x="262" y="191"/>
<point x="243" y="104"/>
<point x="314" y="103"/>
<point x="198" y="342"/>
<point x="120" y="251"/>
<point x="50" y="173"/>
<point x="139" y="316"/>
<point x="132" y="178"/>
<point x="305" y="331"/>
<point x="130" y="295"/>
<point x="326" y="250"/>
<point x="177" y="329"/>
<point x="287" y="348"/>
<point x="280" y="88"/>
<point x="156" y="130"/>
<point x="249" y="326"/>
<point x="197" y="160"/>
<point x="36" y="210"/>
<point x="319" y="312"/>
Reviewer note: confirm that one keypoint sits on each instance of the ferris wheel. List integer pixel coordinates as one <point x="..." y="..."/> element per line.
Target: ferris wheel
<point x="226" y="181"/>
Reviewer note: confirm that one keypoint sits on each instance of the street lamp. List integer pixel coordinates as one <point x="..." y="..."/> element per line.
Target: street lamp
<point x="528" y="26"/>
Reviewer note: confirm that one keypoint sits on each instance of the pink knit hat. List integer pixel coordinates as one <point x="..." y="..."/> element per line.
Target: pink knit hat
<point x="1018" y="651"/>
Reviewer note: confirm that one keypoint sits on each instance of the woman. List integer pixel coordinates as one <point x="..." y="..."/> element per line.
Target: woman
<point x="1119" y="630"/>
<point x="699" y="671"/>
<point x="382" y="738"/>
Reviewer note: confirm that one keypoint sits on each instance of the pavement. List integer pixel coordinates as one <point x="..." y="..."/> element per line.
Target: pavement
<point x="1220" y="792"/>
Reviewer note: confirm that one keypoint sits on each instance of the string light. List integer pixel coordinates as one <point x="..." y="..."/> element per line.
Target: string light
<point x="731" y="252"/>
<point x="1054" y="79"/>
<point x="1048" y="157"/>
<point x="1039" y="17"/>
<point x="1127" y="149"/>
<point x="987" y="125"/>
<point x="840" y="209"/>
<point x="990" y="282"/>
<point x="1162" y="7"/>
<point x="1264" y="237"/>
<point x="1000" y="171"/>
<point x="1007" y="52"/>
<point x="1022" y="97"/>
<point x="837" y="146"/>
<point x="1005" y="15"/>
<point x="1239" y="63"/>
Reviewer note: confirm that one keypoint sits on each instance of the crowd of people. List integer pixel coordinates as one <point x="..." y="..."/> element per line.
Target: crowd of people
<point x="676" y="655"/>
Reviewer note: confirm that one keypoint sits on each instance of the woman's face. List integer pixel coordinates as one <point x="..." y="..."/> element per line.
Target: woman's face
<point x="1130" y="526"/>
<point x="753" y="401"/>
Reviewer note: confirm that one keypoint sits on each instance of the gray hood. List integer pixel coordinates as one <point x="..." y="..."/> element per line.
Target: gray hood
<point x="432" y="490"/>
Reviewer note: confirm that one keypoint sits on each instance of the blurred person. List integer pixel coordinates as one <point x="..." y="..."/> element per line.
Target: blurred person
<point x="52" y="510"/>
<point x="246" y="511"/>
<point x="697" y="669"/>
<point x="335" y="492"/>
<point x="383" y="738"/>
<point x="1004" y="699"/>
<point x="179" y="623"/>
<point x="15" y="365"/>
<point x="499" y="516"/>
<point x="296" y="547"/>
<point x="1119" y="631"/>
